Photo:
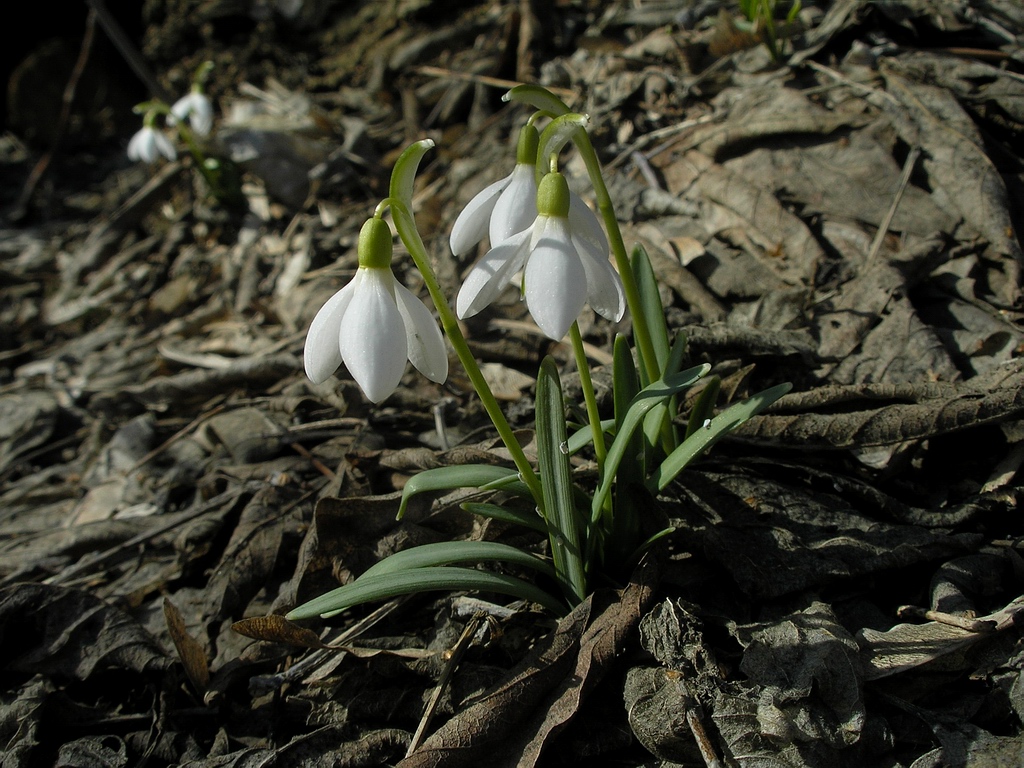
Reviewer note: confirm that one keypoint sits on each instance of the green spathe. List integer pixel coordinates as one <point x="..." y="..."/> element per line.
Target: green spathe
<point x="526" y="148"/>
<point x="375" y="247"/>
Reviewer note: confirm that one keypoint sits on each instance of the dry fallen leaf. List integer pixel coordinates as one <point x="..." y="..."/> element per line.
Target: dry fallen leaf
<point x="191" y="654"/>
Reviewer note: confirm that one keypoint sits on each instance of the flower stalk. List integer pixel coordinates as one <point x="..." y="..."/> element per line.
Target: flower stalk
<point x="400" y="201"/>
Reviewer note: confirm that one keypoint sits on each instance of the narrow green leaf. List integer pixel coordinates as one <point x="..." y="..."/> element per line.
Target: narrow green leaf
<point x="622" y="529"/>
<point x="432" y="579"/>
<point x="506" y="515"/>
<point x="451" y="552"/>
<point x="677" y="353"/>
<point x="708" y="435"/>
<point x="650" y="302"/>
<point x="705" y="405"/>
<point x="625" y="380"/>
<point x="647" y="543"/>
<point x="585" y="435"/>
<point x="537" y="97"/>
<point x="483" y="476"/>
<point x="658" y="426"/>
<point x="646" y="399"/>
<point x="403" y="177"/>
<point x="556" y="481"/>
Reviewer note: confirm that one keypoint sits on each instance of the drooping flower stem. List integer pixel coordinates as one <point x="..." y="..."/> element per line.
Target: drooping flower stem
<point x="589" y="398"/>
<point x="641" y="333"/>
<point x="406" y="226"/>
<point x="542" y="99"/>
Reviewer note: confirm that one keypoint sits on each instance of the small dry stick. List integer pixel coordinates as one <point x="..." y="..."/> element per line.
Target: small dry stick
<point x="454" y="656"/>
<point x="961" y="622"/>
<point x="883" y="228"/>
<point x="694" y="713"/>
<point x="39" y="171"/>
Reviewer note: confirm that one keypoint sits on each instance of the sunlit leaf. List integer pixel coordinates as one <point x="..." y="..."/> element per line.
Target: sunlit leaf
<point x="450" y="552"/>
<point x="556" y="481"/>
<point x="506" y="515"/>
<point x="584" y="436"/>
<point x="650" y="303"/>
<point x="418" y="580"/>
<point x="483" y="476"/>
<point x="646" y="399"/>
<point x="708" y="435"/>
<point x="705" y="405"/>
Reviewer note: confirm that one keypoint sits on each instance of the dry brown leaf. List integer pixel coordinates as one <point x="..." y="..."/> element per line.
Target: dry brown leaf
<point x="277" y="629"/>
<point x="906" y="646"/>
<point x="192" y="656"/>
<point x="536" y="702"/>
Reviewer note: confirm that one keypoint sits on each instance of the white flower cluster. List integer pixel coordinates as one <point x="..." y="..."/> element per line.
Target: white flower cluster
<point x="560" y="249"/>
<point x="543" y="238"/>
<point x="149" y="144"/>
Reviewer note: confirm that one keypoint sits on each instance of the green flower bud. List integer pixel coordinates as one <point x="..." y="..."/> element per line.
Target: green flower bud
<point x="553" y="196"/>
<point x="375" y="247"/>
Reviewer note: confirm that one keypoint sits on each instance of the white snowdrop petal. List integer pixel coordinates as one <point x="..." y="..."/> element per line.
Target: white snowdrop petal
<point x="372" y="337"/>
<point x="180" y="109"/>
<point x="516" y="207"/>
<point x="471" y="225"/>
<point x="201" y="116"/>
<point x="423" y="337"/>
<point x="604" y="287"/>
<point x="491" y="273"/>
<point x="137" y="147"/>
<point x="322" y="356"/>
<point x="585" y="225"/>
<point x="163" y="146"/>
<point x="556" y="283"/>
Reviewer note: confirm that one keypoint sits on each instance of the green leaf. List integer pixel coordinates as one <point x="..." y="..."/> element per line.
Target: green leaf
<point x="649" y="542"/>
<point x="705" y="405"/>
<point x="506" y="515"/>
<point x="430" y="579"/>
<point x="449" y="552"/>
<point x="538" y="98"/>
<point x="646" y="399"/>
<point x="484" y="476"/>
<point x="623" y="528"/>
<point x="650" y="303"/>
<point x="658" y="426"/>
<point x="625" y="380"/>
<point x="585" y="435"/>
<point x="403" y="177"/>
<point x="556" y="481"/>
<point x="708" y="435"/>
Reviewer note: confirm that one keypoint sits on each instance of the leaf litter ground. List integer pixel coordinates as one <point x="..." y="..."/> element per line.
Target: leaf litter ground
<point x="845" y="581"/>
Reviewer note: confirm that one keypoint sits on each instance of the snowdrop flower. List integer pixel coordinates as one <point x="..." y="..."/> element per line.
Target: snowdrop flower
<point x="504" y="208"/>
<point x="563" y="255"/>
<point x="197" y="108"/>
<point x="148" y="144"/>
<point x="374" y="325"/>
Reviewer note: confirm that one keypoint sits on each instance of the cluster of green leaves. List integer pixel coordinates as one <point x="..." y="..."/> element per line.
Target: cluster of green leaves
<point x="761" y="16"/>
